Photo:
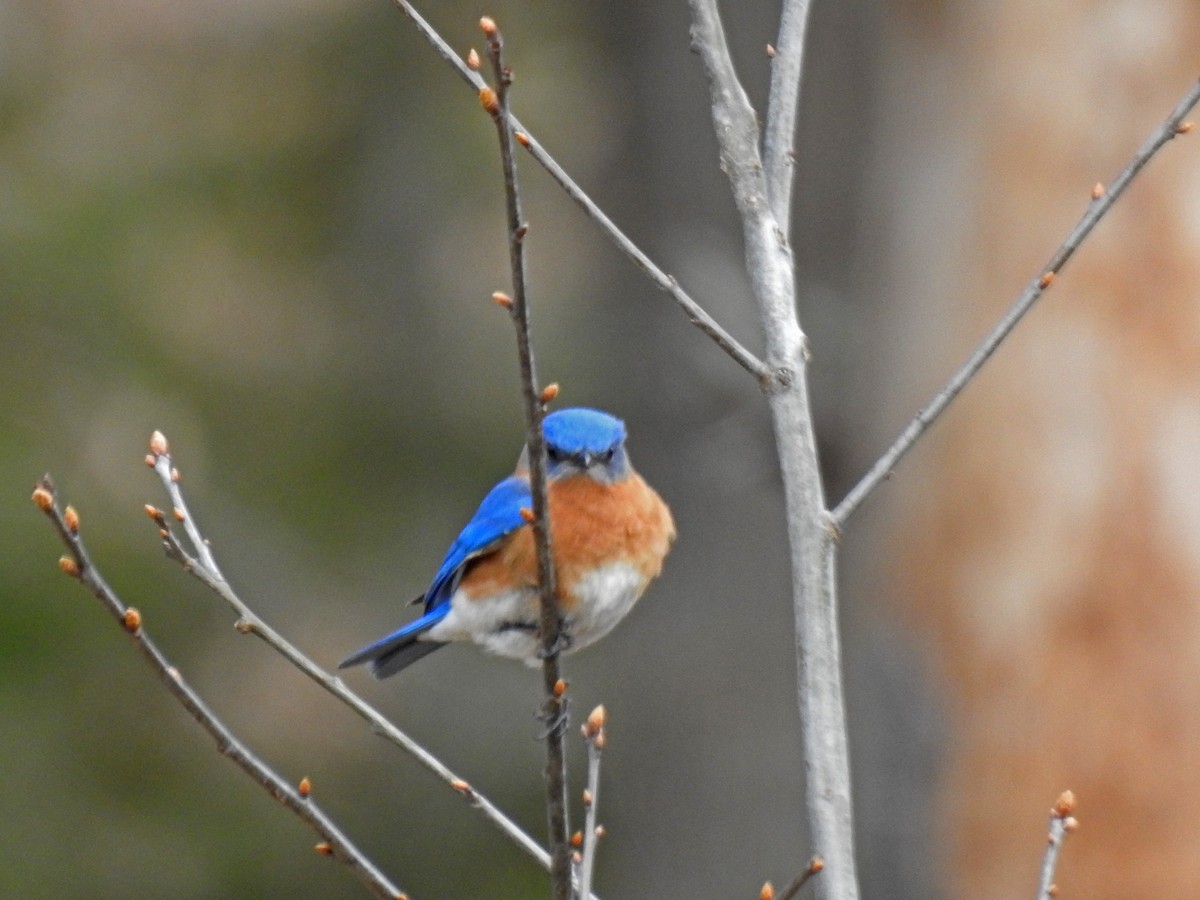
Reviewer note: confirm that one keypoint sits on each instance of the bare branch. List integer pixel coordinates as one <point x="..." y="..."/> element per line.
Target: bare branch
<point x="695" y="313"/>
<point x="787" y="65"/>
<point x="554" y="708"/>
<point x="769" y="265"/>
<point x="160" y="460"/>
<point x="1062" y="823"/>
<point x="333" y="842"/>
<point x="250" y="623"/>
<point x="1102" y="202"/>
<point x="593" y="733"/>
<point x="815" y="866"/>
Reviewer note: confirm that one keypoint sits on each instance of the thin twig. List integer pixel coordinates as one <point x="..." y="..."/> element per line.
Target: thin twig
<point x="1102" y="202"/>
<point x="250" y="623"/>
<point x="593" y="733"/>
<point x="1062" y="823"/>
<point x="787" y="64"/>
<point x="696" y="314"/>
<point x="815" y="866"/>
<point x="763" y="374"/>
<point x="554" y="707"/>
<point x="80" y="566"/>
<point x="160" y="460"/>
<point x="770" y="267"/>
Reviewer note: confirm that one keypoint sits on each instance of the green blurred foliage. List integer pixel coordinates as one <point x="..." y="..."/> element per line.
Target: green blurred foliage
<point x="192" y="238"/>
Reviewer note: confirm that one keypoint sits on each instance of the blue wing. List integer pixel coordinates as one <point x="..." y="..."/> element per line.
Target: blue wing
<point x="498" y="515"/>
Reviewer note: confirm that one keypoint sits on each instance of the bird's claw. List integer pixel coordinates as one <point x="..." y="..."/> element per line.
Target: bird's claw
<point x="561" y="644"/>
<point x="556" y="718"/>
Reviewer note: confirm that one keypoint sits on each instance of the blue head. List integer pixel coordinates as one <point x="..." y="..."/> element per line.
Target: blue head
<point x="584" y="442"/>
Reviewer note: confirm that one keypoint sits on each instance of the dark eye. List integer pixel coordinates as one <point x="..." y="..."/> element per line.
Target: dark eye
<point x="607" y="456"/>
<point x="553" y="455"/>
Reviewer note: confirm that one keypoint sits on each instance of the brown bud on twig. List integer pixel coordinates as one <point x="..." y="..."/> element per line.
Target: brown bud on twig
<point x="770" y="52"/>
<point x="1184" y="127"/>
<point x="462" y="787"/>
<point x="178" y="513"/>
<point x="595" y="721"/>
<point x="1064" y="805"/>
<point x="158" y="444"/>
<point x="577" y="839"/>
<point x="324" y="848"/>
<point x="488" y="26"/>
<point x="71" y="519"/>
<point x="305" y="787"/>
<point x="150" y="460"/>
<point x="549" y="392"/>
<point x="43" y="498"/>
<point x="132" y="620"/>
<point x="69" y="566"/>
<point x="502" y="299"/>
<point x="600" y="832"/>
<point x="767" y="892"/>
<point x="1046" y="280"/>
<point x="1070" y="824"/>
<point x="175" y="476"/>
<point x="560" y="687"/>
<point x="153" y="512"/>
<point x="473" y="60"/>
<point x="489" y="101"/>
<point x="816" y="864"/>
<point x="1097" y="191"/>
<point x="527" y="515"/>
<point x="522" y="139"/>
<point x="587" y="798"/>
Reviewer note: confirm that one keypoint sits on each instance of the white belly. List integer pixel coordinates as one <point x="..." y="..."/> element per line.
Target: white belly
<point x="506" y="624"/>
<point x="604" y="598"/>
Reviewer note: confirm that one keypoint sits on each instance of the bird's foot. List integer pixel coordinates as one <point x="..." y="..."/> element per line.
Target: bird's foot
<point x="562" y="642"/>
<point x="556" y="717"/>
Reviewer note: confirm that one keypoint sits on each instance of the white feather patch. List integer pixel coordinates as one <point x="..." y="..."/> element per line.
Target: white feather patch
<point x="505" y="624"/>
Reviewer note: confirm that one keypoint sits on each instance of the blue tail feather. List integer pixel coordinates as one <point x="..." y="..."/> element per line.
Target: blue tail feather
<point x="390" y="654"/>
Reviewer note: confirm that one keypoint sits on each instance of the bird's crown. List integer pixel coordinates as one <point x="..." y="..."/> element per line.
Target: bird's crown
<point x="583" y="432"/>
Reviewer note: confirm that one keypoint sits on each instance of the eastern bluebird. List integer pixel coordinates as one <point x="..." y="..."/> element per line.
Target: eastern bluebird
<point x="609" y="532"/>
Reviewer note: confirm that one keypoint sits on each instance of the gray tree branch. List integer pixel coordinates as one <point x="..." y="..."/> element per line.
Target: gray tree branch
<point x="783" y="103"/>
<point x="694" y="311"/>
<point x="202" y="566"/>
<point x="79" y="565"/>
<point x="770" y="267"/>
<point x="554" y="704"/>
<point x="1102" y="201"/>
<point x="1062" y="823"/>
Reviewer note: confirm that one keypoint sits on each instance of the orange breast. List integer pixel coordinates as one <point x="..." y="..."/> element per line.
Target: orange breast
<point x="591" y="525"/>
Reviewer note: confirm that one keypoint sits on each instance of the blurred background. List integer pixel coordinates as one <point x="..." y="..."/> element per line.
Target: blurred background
<point x="271" y="230"/>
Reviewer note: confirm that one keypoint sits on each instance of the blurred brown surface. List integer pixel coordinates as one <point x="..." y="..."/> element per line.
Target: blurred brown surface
<point x="1048" y="541"/>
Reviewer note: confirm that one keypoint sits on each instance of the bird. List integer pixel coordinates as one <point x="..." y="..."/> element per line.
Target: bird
<point x="610" y="532"/>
